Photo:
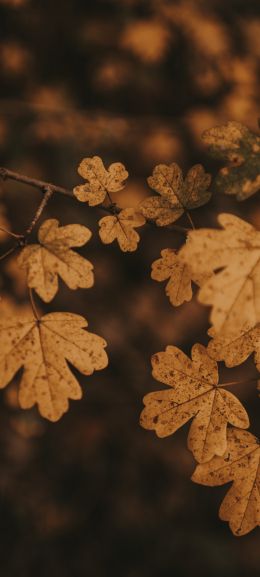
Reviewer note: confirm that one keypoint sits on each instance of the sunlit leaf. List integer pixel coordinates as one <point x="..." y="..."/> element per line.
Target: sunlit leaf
<point x="240" y="464"/>
<point x="100" y="182"/>
<point x="44" y="348"/>
<point x="53" y="256"/>
<point x="195" y="393"/>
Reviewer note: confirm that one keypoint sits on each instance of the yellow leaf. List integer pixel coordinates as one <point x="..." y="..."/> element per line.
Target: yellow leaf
<point x="171" y="266"/>
<point x="121" y="228"/>
<point x="240" y="464"/>
<point x="44" y="348"/>
<point x="52" y="257"/>
<point x="100" y="181"/>
<point x="234" y="290"/>
<point x="194" y="393"/>
<point x="176" y="195"/>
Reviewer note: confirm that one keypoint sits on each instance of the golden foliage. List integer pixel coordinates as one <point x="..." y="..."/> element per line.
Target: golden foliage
<point x="43" y="348"/>
<point x="194" y="393"/>
<point x="53" y="256"/>
<point x="100" y="181"/>
<point x="121" y="228"/>
<point x="240" y="464"/>
<point x="233" y="291"/>
<point x="176" y="195"/>
<point x="234" y="143"/>
<point x="170" y="265"/>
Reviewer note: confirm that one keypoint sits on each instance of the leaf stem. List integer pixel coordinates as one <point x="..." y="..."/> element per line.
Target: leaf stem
<point x="33" y="305"/>
<point x="229" y="384"/>
<point x="190" y="220"/>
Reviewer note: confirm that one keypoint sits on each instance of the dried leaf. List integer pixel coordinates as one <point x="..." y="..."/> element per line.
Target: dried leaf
<point x="195" y="393"/>
<point x="234" y="143"/>
<point x="121" y="228"/>
<point x="44" y="348"/>
<point x="53" y="256"/>
<point x="100" y="181"/>
<point x="171" y="266"/>
<point x="234" y="349"/>
<point x="240" y="464"/>
<point x="234" y="290"/>
<point x="176" y="194"/>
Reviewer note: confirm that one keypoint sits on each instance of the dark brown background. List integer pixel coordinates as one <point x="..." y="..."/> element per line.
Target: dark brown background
<point x="135" y="82"/>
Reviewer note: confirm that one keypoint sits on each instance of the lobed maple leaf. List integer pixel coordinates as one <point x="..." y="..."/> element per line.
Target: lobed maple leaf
<point x="100" y="181"/>
<point x="195" y="393"/>
<point x="236" y="347"/>
<point x="234" y="289"/>
<point x="44" y="348"/>
<point x="53" y="256"/>
<point x="121" y="228"/>
<point x="234" y="143"/>
<point x="171" y="266"/>
<point x="240" y="464"/>
<point x="176" y="195"/>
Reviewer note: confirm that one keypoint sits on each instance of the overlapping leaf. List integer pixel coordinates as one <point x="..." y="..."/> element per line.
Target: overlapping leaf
<point x="194" y="393"/>
<point x="175" y="194"/>
<point x="121" y="227"/>
<point x="44" y="348"/>
<point x="171" y="266"/>
<point x="234" y="291"/>
<point x="53" y="256"/>
<point x="100" y="181"/>
<point x="240" y="148"/>
<point x="240" y="464"/>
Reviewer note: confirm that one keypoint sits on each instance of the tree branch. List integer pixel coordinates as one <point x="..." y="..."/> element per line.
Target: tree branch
<point x="43" y="186"/>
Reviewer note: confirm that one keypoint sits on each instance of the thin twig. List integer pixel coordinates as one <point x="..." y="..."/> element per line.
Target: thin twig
<point x="48" y="193"/>
<point x="13" y="234"/>
<point x="10" y="251"/>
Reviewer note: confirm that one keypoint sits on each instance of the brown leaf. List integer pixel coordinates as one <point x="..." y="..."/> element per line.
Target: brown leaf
<point x="241" y="149"/>
<point x="100" y="181"/>
<point x="171" y="266"/>
<point x="235" y="348"/>
<point x="240" y="464"/>
<point x="195" y="393"/>
<point x="44" y="348"/>
<point x="121" y="228"/>
<point x="234" y="290"/>
<point x="176" y="194"/>
<point x="53" y="256"/>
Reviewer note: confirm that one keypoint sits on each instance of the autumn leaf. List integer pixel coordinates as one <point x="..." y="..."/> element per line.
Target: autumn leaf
<point x="176" y="195"/>
<point x="53" y="256"/>
<point x="100" y="181"/>
<point x="44" y="348"/>
<point x="240" y="464"/>
<point x="194" y="393"/>
<point x="171" y="266"/>
<point x="234" y="289"/>
<point x="235" y="348"/>
<point x="240" y="148"/>
<point x="121" y="227"/>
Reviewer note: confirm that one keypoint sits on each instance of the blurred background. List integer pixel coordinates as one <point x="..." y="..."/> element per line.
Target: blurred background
<point x="137" y="82"/>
